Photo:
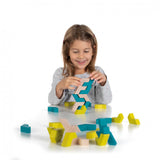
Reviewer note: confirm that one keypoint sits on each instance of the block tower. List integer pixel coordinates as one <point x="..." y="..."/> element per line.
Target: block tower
<point x="81" y="98"/>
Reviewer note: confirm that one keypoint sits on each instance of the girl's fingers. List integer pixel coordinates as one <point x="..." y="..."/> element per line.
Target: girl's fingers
<point x="100" y="77"/>
<point x="100" y="81"/>
<point x="76" y="79"/>
<point x="75" y="83"/>
<point x="94" y="72"/>
<point x="71" y="87"/>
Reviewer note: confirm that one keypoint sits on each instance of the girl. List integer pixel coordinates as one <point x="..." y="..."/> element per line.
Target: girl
<point x="79" y="55"/>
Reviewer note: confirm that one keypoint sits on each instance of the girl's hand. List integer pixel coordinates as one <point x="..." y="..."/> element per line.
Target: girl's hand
<point x="69" y="83"/>
<point x="99" y="77"/>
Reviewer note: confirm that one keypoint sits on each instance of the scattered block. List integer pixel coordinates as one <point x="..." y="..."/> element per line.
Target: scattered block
<point x="100" y="106"/>
<point x="56" y="134"/>
<point x="53" y="109"/>
<point x="69" y="104"/>
<point x="103" y="121"/>
<point x="68" y="127"/>
<point x="104" y="129"/>
<point x="111" y="140"/>
<point x="25" y="128"/>
<point x="87" y="127"/>
<point x="55" y="125"/>
<point x="102" y="140"/>
<point x="132" y="120"/>
<point x="55" y="131"/>
<point x="83" y="141"/>
<point x="118" y="119"/>
<point x="68" y="138"/>
<point x="91" y="135"/>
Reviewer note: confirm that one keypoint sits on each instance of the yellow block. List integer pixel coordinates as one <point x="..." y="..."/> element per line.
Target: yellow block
<point x="56" y="134"/>
<point x="102" y="140"/>
<point x="82" y="110"/>
<point x="100" y="106"/>
<point x="68" y="138"/>
<point x="56" y="124"/>
<point x="132" y="120"/>
<point x="91" y="135"/>
<point x="118" y="119"/>
<point x="69" y="104"/>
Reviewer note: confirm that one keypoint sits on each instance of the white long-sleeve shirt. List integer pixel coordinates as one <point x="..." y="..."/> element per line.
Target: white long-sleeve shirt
<point x="97" y="95"/>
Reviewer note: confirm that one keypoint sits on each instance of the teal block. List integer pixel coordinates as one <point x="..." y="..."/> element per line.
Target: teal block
<point x="25" y="128"/>
<point x="91" y="127"/>
<point x="79" y="107"/>
<point x="77" y="98"/>
<point x="105" y="130"/>
<point x="86" y="91"/>
<point x="82" y="127"/>
<point x="87" y="127"/>
<point x="98" y="133"/>
<point x="111" y="140"/>
<point x="103" y="121"/>
<point x="87" y="104"/>
<point x="88" y="83"/>
<point x="52" y="109"/>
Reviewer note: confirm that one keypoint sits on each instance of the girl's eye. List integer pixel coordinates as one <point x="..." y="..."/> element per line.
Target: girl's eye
<point x="86" y="51"/>
<point x="75" y="51"/>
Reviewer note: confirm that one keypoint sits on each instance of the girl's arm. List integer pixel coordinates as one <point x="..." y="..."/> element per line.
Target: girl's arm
<point x="103" y="94"/>
<point x="58" y="94"/>
<point x="55" y="97"/>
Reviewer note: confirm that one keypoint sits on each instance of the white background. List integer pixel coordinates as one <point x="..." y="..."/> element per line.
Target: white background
<point x="31" y="35"/>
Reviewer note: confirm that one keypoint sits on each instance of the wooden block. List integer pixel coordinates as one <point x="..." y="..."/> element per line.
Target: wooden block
<point x="76" y="105"/>
<point x="79" y="89"/>
<point x="83" y="141"/>
<point x="65" y="124"/>
<point x="84" y="96"/>
<point x="75" y="141"/>
<point x="85" y="80"/>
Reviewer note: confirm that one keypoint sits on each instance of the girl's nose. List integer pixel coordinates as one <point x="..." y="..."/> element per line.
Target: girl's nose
<point x="81" y="55"/>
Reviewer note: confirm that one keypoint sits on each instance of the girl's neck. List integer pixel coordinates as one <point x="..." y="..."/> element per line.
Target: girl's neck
<point x="77" y="71"/>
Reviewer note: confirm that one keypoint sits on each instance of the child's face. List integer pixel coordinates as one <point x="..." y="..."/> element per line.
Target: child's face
<point x="80" y="54"/>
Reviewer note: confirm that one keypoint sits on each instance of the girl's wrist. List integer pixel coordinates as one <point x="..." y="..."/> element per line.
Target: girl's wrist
<point x="103" y="83"/>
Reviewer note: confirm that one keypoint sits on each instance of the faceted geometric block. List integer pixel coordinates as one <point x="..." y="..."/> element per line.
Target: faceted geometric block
<point x="118" y="119"/>
<point x="25" y="128"/>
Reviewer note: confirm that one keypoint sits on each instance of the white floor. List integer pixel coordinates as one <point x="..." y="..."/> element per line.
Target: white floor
<point x="132" y="141"/>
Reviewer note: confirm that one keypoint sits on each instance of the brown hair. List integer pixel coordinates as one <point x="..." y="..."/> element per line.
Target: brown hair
<point x="78" y="32"/>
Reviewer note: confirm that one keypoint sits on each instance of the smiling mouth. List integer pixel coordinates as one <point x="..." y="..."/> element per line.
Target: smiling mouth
<point x="81" y="62"/>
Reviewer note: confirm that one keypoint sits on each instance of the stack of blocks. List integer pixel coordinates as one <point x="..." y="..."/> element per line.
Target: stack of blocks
<point x="81" y="98"/>
<point x="104" y="134"/>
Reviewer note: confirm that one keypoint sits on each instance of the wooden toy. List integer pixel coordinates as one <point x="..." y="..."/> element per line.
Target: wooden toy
<point x="132" y="120"/>
<point x="53" y="109"/>
<point x="118" y="119"/>
<point x="100" y="106"/>
<point x="83" y="141"/>
<point x="91" y="135"/>
<point x="25" y="128"/>
<point x="68" y="138"/>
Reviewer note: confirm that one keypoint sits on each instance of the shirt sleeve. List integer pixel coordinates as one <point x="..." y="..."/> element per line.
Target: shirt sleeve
<point x="57" y="77"/>
<point x="103" y="93"/>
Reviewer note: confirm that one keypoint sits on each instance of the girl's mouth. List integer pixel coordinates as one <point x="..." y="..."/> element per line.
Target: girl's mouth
<point x="81" y="62"/>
